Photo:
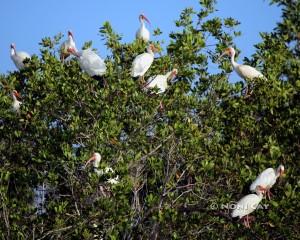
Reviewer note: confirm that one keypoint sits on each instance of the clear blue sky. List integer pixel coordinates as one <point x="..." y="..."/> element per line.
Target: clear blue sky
<point x="25" y="22"/>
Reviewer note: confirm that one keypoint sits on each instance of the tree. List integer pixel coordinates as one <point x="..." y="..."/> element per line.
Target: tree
<point x="178" y="165"/>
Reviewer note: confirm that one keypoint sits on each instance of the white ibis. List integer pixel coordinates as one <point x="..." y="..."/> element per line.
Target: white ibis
<point x="142" y="62"/>
<point x="89" y="62"/>
<point x="247" y="205"/>
<point x="95" y="159"/>
<point x="18" y="57"/>
<point x="66" y="45"/>
<point x="267" y="179"/>
<point x="143" y="33"/>
<point x="16" y="103"/>
<point x="244" y="71"/>
<point x="160" y="81"/>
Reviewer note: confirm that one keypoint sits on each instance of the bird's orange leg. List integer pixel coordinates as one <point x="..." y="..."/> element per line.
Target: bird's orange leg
<point x="246" y="221"/>
<point x="264" y="190"/>
<point x="250" y="219"/>
<point x="269" y="194"/>
<point x="161" y="106"/>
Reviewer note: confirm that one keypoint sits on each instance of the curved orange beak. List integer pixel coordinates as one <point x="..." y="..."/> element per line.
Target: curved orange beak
<point x="17" y="94"/>
<point x="174" y="73"/>
<point x="226" y="52"/>
<point x="145" y="18"/>
<point x="93" y="158"/>
<point x="72" y="51"/>
<point x="153" y="48"/>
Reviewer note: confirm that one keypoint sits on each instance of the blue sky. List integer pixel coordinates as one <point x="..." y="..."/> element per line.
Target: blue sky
<point x="26" y="22"/>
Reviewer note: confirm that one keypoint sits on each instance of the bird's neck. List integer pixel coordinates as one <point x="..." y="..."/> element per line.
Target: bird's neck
<point x="151" y="52"/>
<point x="12" y="52"/>
<point x="168" y="75"/>
<point x="277" y="172"/>
<point x="234" y="63"/>
<point x="260" y="195"/>
<point x="14" y="98"/>
<point x="96" y="165"/>
<point x="142" y="23"/>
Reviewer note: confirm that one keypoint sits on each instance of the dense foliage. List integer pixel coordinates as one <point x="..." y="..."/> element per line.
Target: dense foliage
<point x="178" y="165"/>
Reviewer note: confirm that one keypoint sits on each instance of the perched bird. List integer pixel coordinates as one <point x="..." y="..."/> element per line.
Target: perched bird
<point x="142" y="62"/>
<point x="18" y="57"/>
<point x="247" y="205"/>
<point x="160" y="81"/>
<point x="267" y="179"/>
<point x="89" y="62"/>
<point x="143" y="33"/>
<point x="66" y="45"/>
<point x="95" y="159"/>
<point x="244" y="71"/>
<point x="16" y="103"/>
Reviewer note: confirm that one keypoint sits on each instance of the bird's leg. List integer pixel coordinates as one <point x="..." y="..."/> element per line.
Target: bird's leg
<point x="62" y="58"/>
<point x="264" y="191"/>
<point x="269" y="194"/>
<point x="250" y="219"/>
<point x="245" y="221"/>
<point x="248" y="224"/>
<point x="246" y="90"/>
<point x="161" y="106"/>
<point x="247" y="93"/>
<point x="105" y="83"/>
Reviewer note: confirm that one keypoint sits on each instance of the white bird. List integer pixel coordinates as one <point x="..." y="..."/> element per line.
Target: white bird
<point x="160" y="81"/>
<point x="244" y="71"/>
<point x="95" y="159"/>
<point x="16" y="103"/>
<point x="18" y="57"/>
<point x="267" y="179"/>
<point x="247" y="205"/>
<point x="66" y="45"/>
<point x="89" y="62"/>
<point x="143" y="33"/>
<point x="142" y="62"/>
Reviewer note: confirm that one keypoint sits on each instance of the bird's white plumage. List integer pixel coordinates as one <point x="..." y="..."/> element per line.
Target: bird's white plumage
<point x="247" y="72"/>
<point x="246" y="205"/>
<point x="16" y="106"/>
<point x="18" y="57"/>
<point x="267" y="178"/>
<point x="96" y="158"/>
<point x="91" y="63"/>
<point x="244" y="71"/>
<point x="143" y="33"/>
<point x="159" y="81"/>
<point x="69" y="43"/>
<point x="142" y="63"/>
<point x="16" y="103"/>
